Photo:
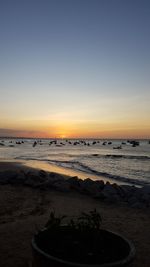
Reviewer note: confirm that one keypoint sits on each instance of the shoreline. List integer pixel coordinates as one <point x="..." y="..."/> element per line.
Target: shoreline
<point x="18" y="173"/>
<point x="126" y="166"/>
<point x="68" y="172"/>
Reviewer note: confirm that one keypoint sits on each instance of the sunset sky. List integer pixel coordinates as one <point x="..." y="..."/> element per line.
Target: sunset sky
<point x="75" y="68"/>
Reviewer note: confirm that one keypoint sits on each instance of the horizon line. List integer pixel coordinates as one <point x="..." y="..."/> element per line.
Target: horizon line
<point x="67" y="138"/>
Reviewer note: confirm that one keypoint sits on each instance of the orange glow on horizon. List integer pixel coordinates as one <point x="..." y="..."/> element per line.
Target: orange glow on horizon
<point x="78" y="133"/>
<point x="66" y="129"/>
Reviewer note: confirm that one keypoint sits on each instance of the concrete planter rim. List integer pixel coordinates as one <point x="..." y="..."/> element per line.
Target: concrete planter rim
<point x="122" y="262"/>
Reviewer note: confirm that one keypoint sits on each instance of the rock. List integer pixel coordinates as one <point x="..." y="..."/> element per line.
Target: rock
<point x="42" y="174"/>
<point x="91" y="187"/>
<point x="56" y="181"/>
<point x="32" y="180"/>
<point x="145" y="198"/>
<point x="100" y="184"/>
<point x="7" y="176"/>
<point x="132" y="200"/>
<point x="110" y="193"/>
<point x="109" y="189"/>
<point x="55" y="177"/>
<point x="128" y="195"/>
<point x="144" y="195"/>
<point x="19" y="179"/>
<point x="75" y="183"/>
<point x="128" y="190"/>
<point x="62" y="185"/>
<point x="119" y="190"/>
<point x="145" y="190"/>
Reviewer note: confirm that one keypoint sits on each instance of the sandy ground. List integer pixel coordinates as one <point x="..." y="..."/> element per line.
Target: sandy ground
<point x="24" y="210"/>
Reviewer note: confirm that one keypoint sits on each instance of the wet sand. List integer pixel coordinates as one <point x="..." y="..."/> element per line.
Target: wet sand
<point x="49" y="167"/>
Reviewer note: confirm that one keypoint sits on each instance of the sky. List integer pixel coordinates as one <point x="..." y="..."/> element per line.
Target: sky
<point x="75" y="68"/>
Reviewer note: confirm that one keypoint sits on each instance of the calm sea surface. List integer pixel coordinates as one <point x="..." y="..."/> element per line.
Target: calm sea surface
<point x="118" y="160"/>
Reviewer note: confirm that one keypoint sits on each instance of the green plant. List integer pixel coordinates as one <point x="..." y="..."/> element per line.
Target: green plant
<point x="53" y="221"/>
<point x="87" y="221"/>
<point x="91" y="220"/>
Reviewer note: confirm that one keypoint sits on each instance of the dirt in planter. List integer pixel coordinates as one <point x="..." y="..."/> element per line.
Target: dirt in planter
<point x="83" y="247"/>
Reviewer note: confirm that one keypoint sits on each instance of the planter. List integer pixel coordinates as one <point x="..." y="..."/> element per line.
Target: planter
<point x="68" y="247"/>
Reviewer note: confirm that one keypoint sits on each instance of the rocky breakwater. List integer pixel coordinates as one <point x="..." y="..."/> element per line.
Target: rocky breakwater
<point x="130" y="195"/>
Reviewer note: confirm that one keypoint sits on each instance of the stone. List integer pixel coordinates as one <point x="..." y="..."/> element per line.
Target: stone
<point x="100" y="183"/>
<point x="89" y="187"/>
<point x="132" y="200"/>
<point x="7" y="176"/>
<point x="109" y="193"/>
<point x="55" y="176"/>
<point x="109" y="189"/>
<point x="32" y="180"/>
<point x="19" y="179"/>
<point x="75" y="183"/>
<point x="128" y="191"/>
<point x="119" y="190"/>
<point x="62" y="185"/>
<point x="42" y="174"/>
<point x="145" y="190"/>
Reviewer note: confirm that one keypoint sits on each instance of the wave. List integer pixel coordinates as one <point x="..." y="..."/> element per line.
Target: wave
<point x="115" y="156"/>
<point x="128" y="157"/>
<point x="82" y="167"/>
<point x="76" y="165"/>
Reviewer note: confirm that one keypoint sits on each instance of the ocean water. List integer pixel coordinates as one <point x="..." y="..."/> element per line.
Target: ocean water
<point x="127" y="164"/>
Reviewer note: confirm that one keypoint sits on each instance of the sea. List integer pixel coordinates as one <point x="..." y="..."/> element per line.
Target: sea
<point x="117" y="161"/>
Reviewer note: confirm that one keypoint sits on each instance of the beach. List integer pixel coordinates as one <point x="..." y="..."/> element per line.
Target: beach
<point x="116" y="161"/>
<point x="25" y="208"/>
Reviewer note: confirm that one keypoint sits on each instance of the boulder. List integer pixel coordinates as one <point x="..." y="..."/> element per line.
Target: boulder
<point x="55" y="177"/>
<point x="90" y="187"/>
<point x="75" y="183"/>
<point x="132" y="200"/>
<point x="19" y="179"/>
<point x="32" y="180"/>
<point x="42" y="173"/>
<point x="128" y="191"/>
<point x="7" y="176"/>
<point x="144" y="195"/>
<point x="145" y="190"/>
<point x="109" y="189"/>
<point x="119" y="190"/>
<point x="61" y="185"/>
<point x="110" y="193"/>
<point x="100" y="184"/>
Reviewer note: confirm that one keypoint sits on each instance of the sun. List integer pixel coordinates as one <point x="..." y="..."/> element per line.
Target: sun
<point x="62" y="136"/>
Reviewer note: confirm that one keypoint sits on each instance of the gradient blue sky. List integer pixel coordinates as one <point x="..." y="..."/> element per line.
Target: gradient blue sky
<point x="75" y="68"/>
